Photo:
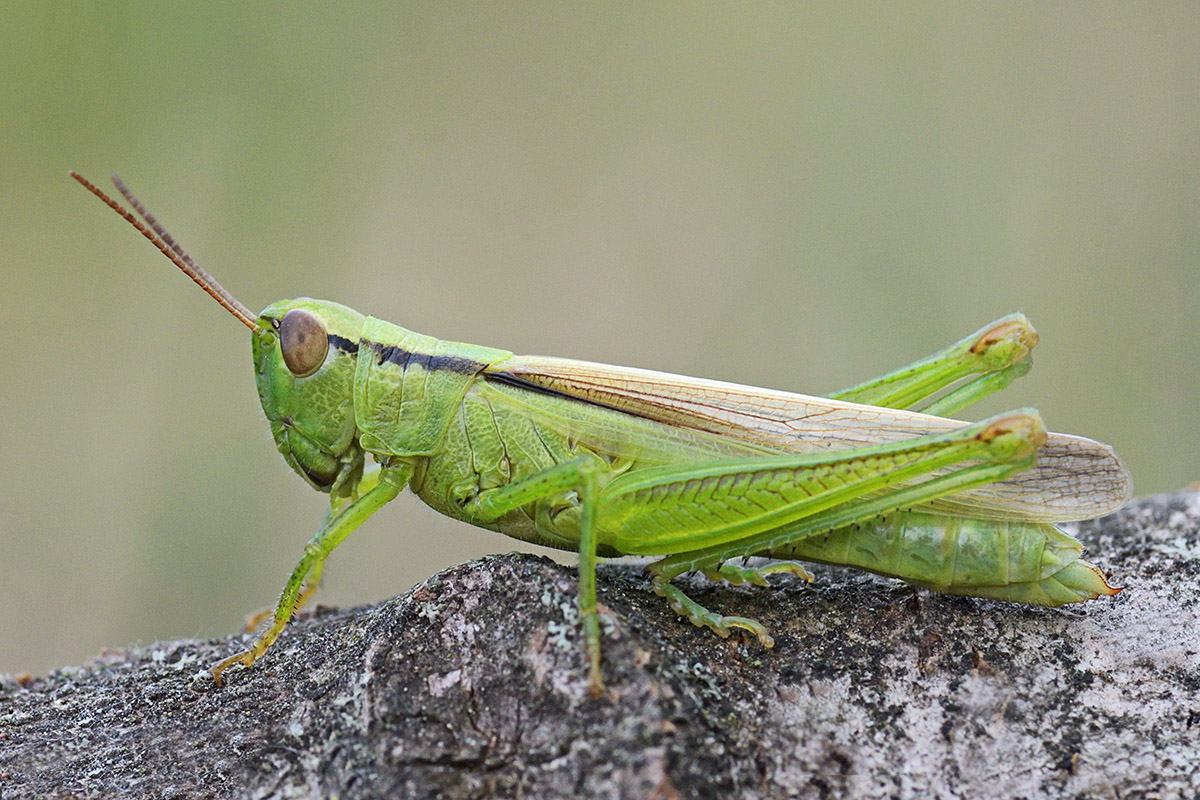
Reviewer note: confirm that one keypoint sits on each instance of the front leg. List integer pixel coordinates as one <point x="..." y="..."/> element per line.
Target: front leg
<point x="336" y="528"/>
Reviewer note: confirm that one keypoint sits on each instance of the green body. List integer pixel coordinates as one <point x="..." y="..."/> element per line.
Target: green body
<point x="466" y="428"/>
<point x="484" y="437"/>
<point x="611" y="461"/>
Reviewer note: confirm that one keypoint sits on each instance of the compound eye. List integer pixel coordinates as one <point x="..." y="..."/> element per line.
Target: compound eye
<point x="304" y="342"/>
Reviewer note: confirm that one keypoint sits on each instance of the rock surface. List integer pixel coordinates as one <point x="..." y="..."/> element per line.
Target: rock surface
<point x="473" y="685"/>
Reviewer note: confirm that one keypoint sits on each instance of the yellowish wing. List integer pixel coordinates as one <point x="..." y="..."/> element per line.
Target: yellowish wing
<point x="1074" y="478"/>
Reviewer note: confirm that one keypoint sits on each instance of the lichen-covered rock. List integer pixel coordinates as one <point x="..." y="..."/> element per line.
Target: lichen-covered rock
<point x="474" y="684"/>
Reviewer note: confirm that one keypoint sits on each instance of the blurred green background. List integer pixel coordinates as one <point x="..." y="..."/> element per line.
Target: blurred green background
<point x="793" y="197"/>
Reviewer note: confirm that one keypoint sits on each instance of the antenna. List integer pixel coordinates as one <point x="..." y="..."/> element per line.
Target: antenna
<point x="159" y="237"/>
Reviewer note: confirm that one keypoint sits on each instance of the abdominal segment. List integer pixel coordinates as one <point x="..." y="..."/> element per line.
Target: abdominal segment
<point x="1025" y="562"/>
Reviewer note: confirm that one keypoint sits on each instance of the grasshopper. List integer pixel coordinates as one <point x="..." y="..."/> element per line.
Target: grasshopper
<point x="612" y="461"/>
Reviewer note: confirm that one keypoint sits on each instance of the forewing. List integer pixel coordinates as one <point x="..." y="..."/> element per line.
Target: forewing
<point x="1074" y="477"/>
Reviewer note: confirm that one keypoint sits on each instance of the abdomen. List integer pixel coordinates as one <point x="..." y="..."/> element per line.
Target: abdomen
<point x="1025" y="562"/>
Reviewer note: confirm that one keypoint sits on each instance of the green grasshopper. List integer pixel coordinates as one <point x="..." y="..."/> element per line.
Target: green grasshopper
<point x="612" y="461"/>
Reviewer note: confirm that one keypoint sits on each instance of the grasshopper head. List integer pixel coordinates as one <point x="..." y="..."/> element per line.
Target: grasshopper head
<point x="304" y="361"/>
